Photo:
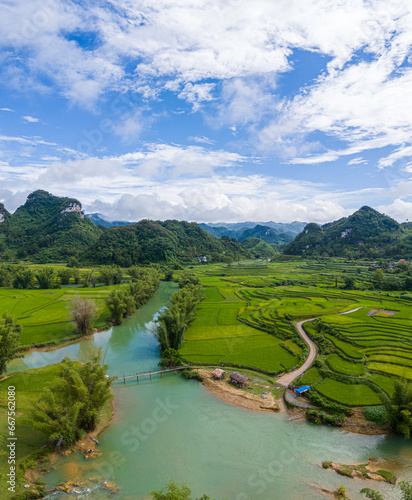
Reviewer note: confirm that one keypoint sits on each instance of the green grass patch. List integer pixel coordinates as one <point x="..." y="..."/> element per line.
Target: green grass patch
<point x="348" y="394"/>
<point x="340" y="365"/>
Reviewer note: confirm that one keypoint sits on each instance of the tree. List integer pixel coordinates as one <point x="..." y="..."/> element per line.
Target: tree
<point x="110" y="275"/>
<point x="84" y="313"/>
<point x="5" y="276"/>
<point x="73" y="401"/>
<point x="349" y="283"/>
<point x="64" y="275"/>
<point x="372" y="494"/>
<point x="73" y="262"/>
<point x="9" y="340"/>
<point x="45" y="278"/>
<point x="399" y="408"/>
<point x="188" y="278"/>
<point x="170" y="358"/>
<point x="175" y="492"/>
<point x="117" y="305"/>
<point x="23" y="278"/>
<point x="174" y="320"/>
<point x="378" y="278"/>
<point x="93" y="375"/>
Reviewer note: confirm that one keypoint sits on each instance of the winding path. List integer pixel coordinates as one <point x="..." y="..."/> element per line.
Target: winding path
<point x="286" y="379"/>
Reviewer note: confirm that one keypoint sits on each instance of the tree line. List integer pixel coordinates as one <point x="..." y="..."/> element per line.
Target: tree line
<point x="47" y="277"/>
<point x="179" y="313"/>
<point x="123" y="302"/>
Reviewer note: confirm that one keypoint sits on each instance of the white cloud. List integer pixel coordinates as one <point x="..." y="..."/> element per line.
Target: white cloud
<point x="402" y="152"/>
<point x="400" y="210"/>
<point x="7" y="109"/>
<point x="201" y="140"/>
<point x="30" y="119"/>
<point x="357" y="161"/>
<point x="196" y="94"/>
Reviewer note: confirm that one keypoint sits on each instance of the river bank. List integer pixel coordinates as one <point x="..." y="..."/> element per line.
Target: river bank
<point x="225" y="391"/>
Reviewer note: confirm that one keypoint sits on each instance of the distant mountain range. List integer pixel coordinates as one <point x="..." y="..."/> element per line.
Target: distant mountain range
<point x="270" y="232"/>
<point x="52" y="229"/>
<point x="365" y="234"/>
<point x="101" y="220"/>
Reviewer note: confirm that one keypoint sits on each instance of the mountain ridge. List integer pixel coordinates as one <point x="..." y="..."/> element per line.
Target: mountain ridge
<point x="364" y="234"/>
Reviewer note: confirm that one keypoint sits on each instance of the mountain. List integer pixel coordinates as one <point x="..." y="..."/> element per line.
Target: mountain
<point x="271" y="232"/>
<point x="155" y="241"/>
<point x="364" y="234"/>
<point x="46" y="228"/>
<point x="259" y="248"/>
<point x="100" y="220"/>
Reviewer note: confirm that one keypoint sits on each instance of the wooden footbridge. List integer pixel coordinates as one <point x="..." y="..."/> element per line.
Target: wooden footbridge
<point x="149" y="374"/>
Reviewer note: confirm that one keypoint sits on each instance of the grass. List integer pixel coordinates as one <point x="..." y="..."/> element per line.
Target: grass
<point x="340" y="365"/>
<point x="311" y="377"/>
<point x="45" y="314"/>
<point x="348" y="394"/>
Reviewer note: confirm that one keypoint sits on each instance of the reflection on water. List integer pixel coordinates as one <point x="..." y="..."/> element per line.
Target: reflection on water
<point x="171" y="428"/>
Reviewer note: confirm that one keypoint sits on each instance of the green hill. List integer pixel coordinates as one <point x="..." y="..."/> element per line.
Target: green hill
<point x="259" y="248"/>
<point x="155" y="241"/>
<point x="46" y="229"/>
<point x="364" y="234"/>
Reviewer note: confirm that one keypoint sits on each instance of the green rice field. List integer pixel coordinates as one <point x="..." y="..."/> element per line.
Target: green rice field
<point x="248" y="315"/>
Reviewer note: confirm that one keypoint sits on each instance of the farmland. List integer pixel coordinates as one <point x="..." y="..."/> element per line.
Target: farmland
<point x="45" y="314"/>
<point x="248" y="315"/>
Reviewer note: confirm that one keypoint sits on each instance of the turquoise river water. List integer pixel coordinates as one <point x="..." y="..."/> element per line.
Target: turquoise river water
<point x="171" y="428"/>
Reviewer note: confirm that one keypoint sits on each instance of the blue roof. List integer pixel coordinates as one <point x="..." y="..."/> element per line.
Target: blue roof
<point x="302" y="389"/>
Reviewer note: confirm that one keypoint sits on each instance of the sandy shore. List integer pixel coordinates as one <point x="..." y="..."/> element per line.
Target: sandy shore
<point x="239" y="397"/>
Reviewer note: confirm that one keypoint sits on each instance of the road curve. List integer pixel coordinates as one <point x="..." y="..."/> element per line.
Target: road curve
<point x="286" y="379"/>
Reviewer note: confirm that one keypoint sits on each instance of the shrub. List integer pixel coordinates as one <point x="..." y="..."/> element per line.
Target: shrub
<point x="376" y="414"/>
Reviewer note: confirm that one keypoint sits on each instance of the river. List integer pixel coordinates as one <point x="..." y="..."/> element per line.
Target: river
<point x="171" y="428"/>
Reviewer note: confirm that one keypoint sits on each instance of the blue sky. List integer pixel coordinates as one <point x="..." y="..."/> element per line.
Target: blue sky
<point x="208" y="110"/>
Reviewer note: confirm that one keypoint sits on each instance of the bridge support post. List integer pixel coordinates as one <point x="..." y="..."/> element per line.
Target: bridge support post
<point x="150" y="376"/>
<point x="137" y="377"/>
<point x="161" y="374"/>
<point x="124" y="379"/>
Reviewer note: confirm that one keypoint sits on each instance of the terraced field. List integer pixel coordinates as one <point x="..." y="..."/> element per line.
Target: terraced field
<point x="248" y="317"/>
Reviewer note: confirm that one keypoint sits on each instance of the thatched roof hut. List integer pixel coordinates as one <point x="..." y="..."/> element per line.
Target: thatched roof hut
<point x="238" y="379"/>
<point x="218" y="373"/>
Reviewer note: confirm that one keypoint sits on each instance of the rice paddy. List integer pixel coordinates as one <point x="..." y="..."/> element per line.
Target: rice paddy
<point x="249" y="313"/>
<point x="45" y="314"/>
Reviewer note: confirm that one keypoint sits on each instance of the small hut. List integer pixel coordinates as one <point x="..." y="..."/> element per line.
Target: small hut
<point x="218" y="374"/>
<point x="238" y="379"/>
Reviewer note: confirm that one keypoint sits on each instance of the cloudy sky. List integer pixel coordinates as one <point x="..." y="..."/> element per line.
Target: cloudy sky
<point x="208" y="110"/>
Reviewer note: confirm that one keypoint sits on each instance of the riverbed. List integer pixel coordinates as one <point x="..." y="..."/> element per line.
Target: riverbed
<point x="174" y="429"/>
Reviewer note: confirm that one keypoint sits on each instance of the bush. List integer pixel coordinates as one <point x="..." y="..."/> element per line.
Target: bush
<point x="376" y="414"/>
<point x="320" y="417"/>
<point x="191" y="374"/>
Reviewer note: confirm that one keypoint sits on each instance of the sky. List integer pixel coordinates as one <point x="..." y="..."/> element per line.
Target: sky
<point x="208" y="110"/>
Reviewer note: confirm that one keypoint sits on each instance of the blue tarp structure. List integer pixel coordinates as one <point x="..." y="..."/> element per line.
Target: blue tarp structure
<point x="302" y="389"/>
